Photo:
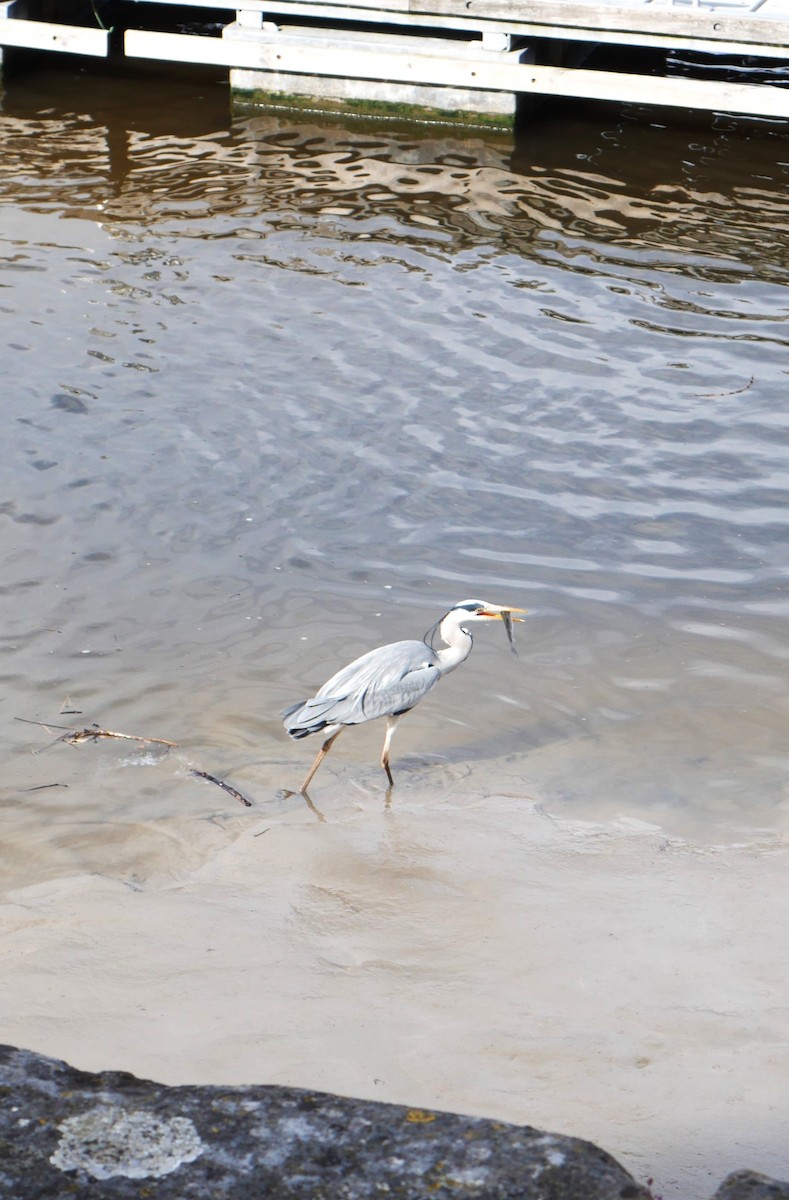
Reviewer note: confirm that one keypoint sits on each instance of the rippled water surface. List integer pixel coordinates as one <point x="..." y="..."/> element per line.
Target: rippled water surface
<point x="278" y="389"/>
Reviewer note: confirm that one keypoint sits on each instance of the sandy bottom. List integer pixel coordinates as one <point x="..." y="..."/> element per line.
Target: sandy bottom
<point x="487" y="956"/>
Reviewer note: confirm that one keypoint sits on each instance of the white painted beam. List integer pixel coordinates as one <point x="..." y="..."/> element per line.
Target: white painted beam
<point x="664" y="41"/>
<point x="704" y="22"/>
<point x="349" y="13"/>
<point x="44" y="35"/>
<point x="705" y="26"/>
<point x="313" y="55"/>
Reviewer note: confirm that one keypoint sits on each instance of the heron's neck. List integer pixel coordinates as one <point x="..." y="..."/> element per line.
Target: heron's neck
<point x="458" y="643"/>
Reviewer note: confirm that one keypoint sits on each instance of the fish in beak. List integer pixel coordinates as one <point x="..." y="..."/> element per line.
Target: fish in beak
<point x="502" y="613"/>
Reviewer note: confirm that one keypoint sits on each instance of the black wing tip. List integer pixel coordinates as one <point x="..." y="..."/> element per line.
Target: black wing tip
<point x="296" y="731"/>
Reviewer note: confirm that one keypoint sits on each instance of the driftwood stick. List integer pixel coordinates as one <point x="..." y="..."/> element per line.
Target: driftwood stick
<point x="43" y="724"/>
<point x="225" y="786"/>
<point x="92" y="734"/>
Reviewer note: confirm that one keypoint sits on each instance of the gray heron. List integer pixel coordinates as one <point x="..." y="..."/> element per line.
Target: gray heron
<point x="389" y="681"/>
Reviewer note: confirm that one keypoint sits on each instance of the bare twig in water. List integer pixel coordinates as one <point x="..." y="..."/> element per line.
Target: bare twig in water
<point x="225" y="786"/>
<point x="44" y="724"/>
<point x="92" y="734"/>
<point x="42" y="787"/>
<point x="66" y="708"/>
<point x="715" y="395"/>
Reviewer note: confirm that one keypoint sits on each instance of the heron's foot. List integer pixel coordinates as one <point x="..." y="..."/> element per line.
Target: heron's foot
<point x="303" y="794"/>
<point x="315" y="811"/>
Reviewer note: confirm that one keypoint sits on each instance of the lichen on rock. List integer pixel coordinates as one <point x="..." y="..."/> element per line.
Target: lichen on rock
<point x="109" y="1140"/>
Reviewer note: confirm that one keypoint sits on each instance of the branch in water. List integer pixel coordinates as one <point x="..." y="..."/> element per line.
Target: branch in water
<point x="221" y="783"/>
<point x="92" y="734"/>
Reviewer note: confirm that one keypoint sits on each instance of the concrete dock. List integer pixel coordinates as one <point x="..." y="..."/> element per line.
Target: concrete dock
<point x="450" y="57"/>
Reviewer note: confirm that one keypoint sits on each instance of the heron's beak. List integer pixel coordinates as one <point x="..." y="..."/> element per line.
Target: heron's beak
<point x="501" y="613"/>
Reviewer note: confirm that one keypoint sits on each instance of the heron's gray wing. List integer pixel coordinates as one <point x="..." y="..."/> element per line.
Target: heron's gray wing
<point x="380" y="700"/>
<point x="379" y="668"/>
<point x="390" y="679"/>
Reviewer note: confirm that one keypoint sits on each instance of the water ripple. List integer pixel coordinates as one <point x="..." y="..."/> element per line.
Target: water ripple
<point x="285" y="389"/>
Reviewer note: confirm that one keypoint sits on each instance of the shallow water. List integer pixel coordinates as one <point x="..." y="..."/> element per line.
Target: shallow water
<point x="279" y="389"/>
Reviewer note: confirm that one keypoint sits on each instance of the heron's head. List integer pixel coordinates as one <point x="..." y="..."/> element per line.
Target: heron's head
<point x="479" y="610"/>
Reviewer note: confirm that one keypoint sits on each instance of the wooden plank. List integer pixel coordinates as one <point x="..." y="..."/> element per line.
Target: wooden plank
<point x="360" y="10"/>
<point x="385" y="6"/>
<point x="43" y="35"/>
<point x="349" y="12"/>
<point x="697" y="22"/>
<point x="608" y="37"/>
<point x="736" y="24"/>
<point x="378" y="15"/>
<point x="331" y="58"/>
<point x="646" y="23"/>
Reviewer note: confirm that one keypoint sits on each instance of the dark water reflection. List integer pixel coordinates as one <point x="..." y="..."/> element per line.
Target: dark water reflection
<point x="279" y="388"/>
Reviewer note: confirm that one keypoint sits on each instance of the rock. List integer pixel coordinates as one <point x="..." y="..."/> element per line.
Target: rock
<point x="748" y="1185"/>
<point x="66" y="1133"/>
<point x="70" y="1135"/>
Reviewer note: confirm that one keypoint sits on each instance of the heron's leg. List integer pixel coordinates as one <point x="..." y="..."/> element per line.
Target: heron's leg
<point x="391" y="725"/>
<point x="324" y="750"/>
